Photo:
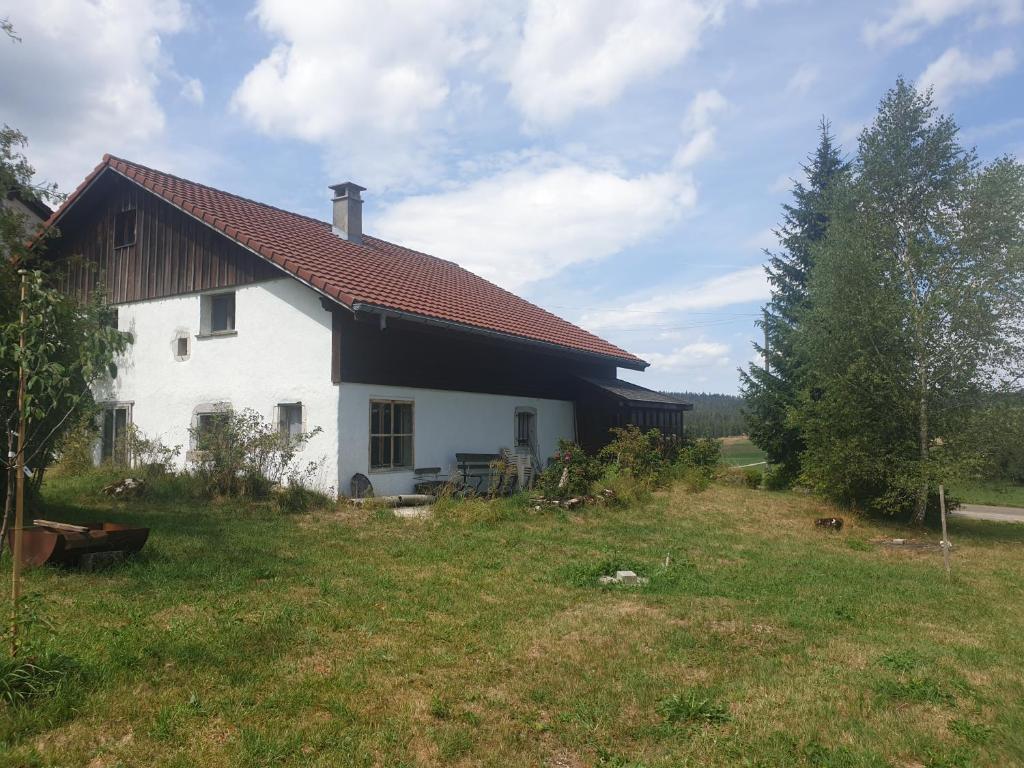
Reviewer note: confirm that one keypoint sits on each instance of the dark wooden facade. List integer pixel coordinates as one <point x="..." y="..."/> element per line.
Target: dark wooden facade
<point x="171" y="254"/>
<point x="413" y="355"/>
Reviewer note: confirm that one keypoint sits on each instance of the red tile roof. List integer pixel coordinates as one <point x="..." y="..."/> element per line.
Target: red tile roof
<point x="376" y="273"/>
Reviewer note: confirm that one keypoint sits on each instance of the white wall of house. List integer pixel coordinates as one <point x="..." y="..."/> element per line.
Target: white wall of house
<point x="444" y="423"/>
<point x="281" y="353"/>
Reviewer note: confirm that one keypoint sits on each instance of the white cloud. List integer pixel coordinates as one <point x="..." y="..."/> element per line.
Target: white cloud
<point x="576" y="54"/>
<point x="801" y="81"/>
<point x="192" y="90"/>
<point x="380" y="66"/>
<point x="700" y="128"/>
<point x="911" y="18"/>
<point x="699" y="354"/>
<point x="529" y="222"/>
<point x="954" y="70"/>
<point x="83" y="80"/>
<point x="740" y="287"/>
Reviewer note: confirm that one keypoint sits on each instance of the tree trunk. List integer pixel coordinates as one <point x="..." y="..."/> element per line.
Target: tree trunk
<point x="922" y="495"/>
<point x="9" y="496"/>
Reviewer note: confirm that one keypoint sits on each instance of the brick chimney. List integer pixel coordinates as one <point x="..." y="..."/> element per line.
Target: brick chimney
<point x="348" y="211"/>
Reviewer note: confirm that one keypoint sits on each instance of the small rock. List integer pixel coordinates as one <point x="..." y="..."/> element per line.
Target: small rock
<point x="899" y="541"/>
<point x="607" y="580"/>
<point x="572" y="503"/>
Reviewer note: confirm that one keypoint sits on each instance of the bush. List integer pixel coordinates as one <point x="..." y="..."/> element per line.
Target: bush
<point x="240" y="454"/>
<point x="643" y="455"/>
<point x="571" y="472"/>
<point x="75" y="451"/>
<point x="704" y="453"/>
<point x="626" y="489"/>
<point x="777" y="478"/>
<point x="149" y="455"/>
<point x="695" y="479"/>
<point x="752" y="477"/>
<point x="301" y="492"/>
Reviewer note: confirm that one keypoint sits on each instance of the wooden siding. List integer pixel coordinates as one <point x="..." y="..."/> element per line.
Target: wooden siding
<point x="412" y="355"/>
<point x="172" y="254"/>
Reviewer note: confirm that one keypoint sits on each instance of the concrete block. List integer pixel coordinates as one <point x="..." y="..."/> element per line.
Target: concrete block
<point x="98" y="561"/>
<point x="626" y="577"/>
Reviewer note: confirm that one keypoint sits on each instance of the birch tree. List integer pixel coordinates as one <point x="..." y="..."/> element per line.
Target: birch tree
<point x="917" y="299"/>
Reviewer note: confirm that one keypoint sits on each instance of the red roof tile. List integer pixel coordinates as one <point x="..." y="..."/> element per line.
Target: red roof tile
<point x="376" y="272"/>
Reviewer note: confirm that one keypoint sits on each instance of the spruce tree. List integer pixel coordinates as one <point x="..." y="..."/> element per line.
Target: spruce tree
<point x="770" y="389"/>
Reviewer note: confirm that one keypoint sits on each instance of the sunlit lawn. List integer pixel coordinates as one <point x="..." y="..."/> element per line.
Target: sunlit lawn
<point x="247" y="638"/>
<point x="740" y="451"/>
<point x="991" y="493"/>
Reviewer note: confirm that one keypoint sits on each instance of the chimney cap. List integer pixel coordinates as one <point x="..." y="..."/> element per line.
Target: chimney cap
<point x="347" y="189"/>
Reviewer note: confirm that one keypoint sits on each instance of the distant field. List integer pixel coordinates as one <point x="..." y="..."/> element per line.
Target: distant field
<point x="739" y="451"/>
<point x="995" y="494"/>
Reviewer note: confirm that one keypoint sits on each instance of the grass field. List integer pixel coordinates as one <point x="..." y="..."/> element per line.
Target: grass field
<point x="245" y="638"/>
<point x="996" y="494"/>
<point x="739" y="451"/>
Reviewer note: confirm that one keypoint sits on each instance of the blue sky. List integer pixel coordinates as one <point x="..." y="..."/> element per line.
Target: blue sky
<point x="621" y="164"/>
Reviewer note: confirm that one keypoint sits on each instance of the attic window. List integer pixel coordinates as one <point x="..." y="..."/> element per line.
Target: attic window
<point x="124" y="229"/>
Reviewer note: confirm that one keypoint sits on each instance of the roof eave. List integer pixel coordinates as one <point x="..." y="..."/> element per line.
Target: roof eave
<point x="635" y="364"/>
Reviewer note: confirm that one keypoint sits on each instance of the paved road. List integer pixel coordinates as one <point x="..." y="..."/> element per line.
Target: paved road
<point x="980" y="512"/>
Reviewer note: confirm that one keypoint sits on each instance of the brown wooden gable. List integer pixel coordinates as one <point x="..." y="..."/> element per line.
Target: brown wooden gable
<point x="172" y="253"/>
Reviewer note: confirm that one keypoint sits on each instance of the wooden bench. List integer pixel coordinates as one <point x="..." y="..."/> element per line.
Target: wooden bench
<point x="476" y="467"/>
<point x="428" y="479"/>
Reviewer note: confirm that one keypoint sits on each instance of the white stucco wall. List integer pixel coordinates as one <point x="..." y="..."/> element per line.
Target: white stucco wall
<point x="280" y="354"/>
<point x="444" y="423"/>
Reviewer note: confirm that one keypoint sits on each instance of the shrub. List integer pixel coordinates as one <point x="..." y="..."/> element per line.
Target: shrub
<point x="302" y="493"/>
<point x="704" y="452"/>
<point x="149" y="455"/>
<point x="643" y="455"/>
<point x="752" y="477"/>
<point x="695" y="479"/>
<point x="75" y="452"/>
<point x="571" y="472"/>
<point x="240" y="454"/>
<point x="626" y="489"/>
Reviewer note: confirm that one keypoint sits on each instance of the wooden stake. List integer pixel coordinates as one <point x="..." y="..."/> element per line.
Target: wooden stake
<point x="19" y="500"/>
<point x="945" y="537"/>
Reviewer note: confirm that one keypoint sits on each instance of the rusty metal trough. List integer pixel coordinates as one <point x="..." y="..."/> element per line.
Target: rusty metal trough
<point x="47" y="542"/>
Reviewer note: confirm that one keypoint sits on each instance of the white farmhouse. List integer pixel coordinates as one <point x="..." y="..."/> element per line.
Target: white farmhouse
<point x="402" y="359"/>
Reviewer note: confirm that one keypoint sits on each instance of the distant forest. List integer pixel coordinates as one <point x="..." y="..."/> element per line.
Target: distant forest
<point x="713" y="415"/>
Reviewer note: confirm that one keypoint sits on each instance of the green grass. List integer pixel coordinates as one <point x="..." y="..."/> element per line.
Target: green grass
<point x="992" y="493"/>
<point x="243" y="637"/>
<point x="739" y="451"/>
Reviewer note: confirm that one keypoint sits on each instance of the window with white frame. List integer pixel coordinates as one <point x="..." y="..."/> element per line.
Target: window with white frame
<point x="217" y="314"/>
<point x="208" y="422"/>
<point x="289" y="419"/>
<point x="391" y="433"/>
<point x="115" y="419"/>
